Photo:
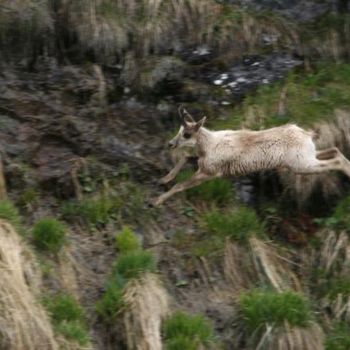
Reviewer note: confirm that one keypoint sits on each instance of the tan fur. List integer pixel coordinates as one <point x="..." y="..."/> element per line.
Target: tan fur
<point x="240" y="152"/>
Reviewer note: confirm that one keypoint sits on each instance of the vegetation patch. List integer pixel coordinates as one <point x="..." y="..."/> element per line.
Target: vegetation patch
<point x="10" y="213"/>
<point x="49" y="235"/>
<point x="267" y="307"/>
<point x="125" y="203"/>
<point x="183" y="331"/>
<point x="131" y="264"/>
<point x="126" y="241"/>
<point x="112" y="301"/>
<point x="67" y="317"/>
<point x="307" y="100"/>
<point x="340" y="218"/>
<point x="238" y="224"/>
<point x="96" y="211"/>
<point x="218" y="191"/>
<point x="332" y="287"/>
<point x="339" y="337"/>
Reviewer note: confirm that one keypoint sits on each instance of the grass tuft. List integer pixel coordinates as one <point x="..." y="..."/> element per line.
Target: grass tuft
<point x="68" y="317"/>
<point x="112" y="302"/>
<point x="10" y="213"/>
<point x="126" y="241"/>
<point x="183" y="331"/>
<point x="49" y="235"/>
<point x="132" y="264"/>
<point x="239" y="224"/>
<point x="267" y="307"/>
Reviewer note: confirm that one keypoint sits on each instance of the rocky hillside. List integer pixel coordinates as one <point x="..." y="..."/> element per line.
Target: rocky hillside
<point x="88" y="100"/>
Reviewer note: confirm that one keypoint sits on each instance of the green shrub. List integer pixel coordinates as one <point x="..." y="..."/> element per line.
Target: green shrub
<point x="126" y="241"/>
<point x="339" y="337"/>
<point x="10" y="213"/>
<point x="238" y="224"/>
<point x="218" y="191"/>
<point x="132" y="264"/>
<point x="67" y="317"/>
<point x="49" y="235"/>
<point x="261" y="307"/>
<point x="187" y="332"/>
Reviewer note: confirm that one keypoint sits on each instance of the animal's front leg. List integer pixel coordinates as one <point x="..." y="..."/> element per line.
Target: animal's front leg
<point x="173" y="172"/>
<point x="195" y="180"/>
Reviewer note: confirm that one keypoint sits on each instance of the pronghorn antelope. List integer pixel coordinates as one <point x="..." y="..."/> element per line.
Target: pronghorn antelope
<point x="240" y="152"/>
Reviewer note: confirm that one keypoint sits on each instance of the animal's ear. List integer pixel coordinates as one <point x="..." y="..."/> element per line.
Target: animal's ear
<point x="200" y="123"/>
<point x="185" y="117"/>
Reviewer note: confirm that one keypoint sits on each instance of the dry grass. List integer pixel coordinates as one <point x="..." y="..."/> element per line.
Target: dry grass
<point x="147" y="302"/>
<point x="272" y="267"/>
<point x="23" y="322"/>
<point x="335" y="252"/>
<point x="261" y="263"/>
<point x="118" y="28"/>
<point x="293" y="338"/>
<point x="237" y="267"/>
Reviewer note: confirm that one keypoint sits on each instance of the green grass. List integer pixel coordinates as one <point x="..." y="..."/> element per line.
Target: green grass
<point x="126" y="241"/>
<point x="340" y="218"/>
<point x="96" y="211"/>
<point x="112" y="302"/>
<point x="339" y="337"/>
<point x="128" y="266"/>
<point x="132" y="264"/>
<point x="49" y="235"/>
<point x="334" y="286"/>
<point x="124" y="203"/>
<point x="310" y="98"/>
<point x="27" y="197"/>
<point x="267" y="307"/>
<point x="238" y="224"/>
<point x="67" y="317"/>
<point x="186" y="332"/>
<point x="218" y="191"/>
<point x="10" y="213"/>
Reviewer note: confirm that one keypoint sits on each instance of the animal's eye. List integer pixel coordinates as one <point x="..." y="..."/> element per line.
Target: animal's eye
<point x="187" y="135"/>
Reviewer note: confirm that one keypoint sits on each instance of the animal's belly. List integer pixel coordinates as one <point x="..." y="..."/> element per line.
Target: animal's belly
<point x="246" y="164"/>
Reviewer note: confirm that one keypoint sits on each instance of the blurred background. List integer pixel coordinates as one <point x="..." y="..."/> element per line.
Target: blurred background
<point x="89" y="91"/>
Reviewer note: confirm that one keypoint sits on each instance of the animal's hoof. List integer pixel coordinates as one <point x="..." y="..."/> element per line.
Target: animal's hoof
<point x="163" y="180"/>
<point x="154" y="203"/>
<point x="157" y="202"/>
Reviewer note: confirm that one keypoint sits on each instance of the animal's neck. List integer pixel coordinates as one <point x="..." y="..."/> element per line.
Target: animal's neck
<point x="204" y="139"/>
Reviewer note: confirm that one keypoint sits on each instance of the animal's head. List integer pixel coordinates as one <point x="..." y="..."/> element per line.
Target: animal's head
<point x="188" y="132"/>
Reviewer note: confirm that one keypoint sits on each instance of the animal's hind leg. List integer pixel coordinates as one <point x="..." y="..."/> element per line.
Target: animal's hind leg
<point x="321" y="166"/>
<point x="328" y="153"/>
<point x="332" y="154"/>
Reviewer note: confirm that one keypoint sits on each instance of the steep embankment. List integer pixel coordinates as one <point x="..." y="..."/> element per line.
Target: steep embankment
<point x="89" y="264"/>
